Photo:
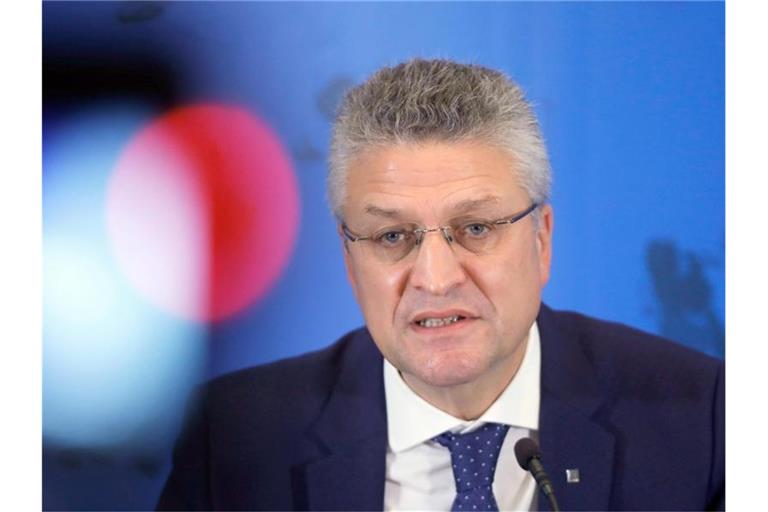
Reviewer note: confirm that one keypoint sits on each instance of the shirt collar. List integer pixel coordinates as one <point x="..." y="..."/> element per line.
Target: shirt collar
<point x="411" y="420"/>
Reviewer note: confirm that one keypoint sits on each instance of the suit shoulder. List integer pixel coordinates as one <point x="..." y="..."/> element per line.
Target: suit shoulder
<point x="615" y="340"/>
<point x="619" y="349"/>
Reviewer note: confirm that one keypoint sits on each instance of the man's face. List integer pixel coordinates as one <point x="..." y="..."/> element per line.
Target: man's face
<point x="494" y="294"/>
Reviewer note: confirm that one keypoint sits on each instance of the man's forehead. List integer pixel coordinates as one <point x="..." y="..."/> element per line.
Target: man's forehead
<point x="444" y="178"/>
<point x="435" y="152"/>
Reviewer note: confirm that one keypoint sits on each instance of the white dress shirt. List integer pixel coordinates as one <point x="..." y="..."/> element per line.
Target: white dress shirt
<point x="419" y="472"/>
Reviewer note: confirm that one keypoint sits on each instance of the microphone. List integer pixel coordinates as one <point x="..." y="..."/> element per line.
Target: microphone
<point x="528" y="456"/>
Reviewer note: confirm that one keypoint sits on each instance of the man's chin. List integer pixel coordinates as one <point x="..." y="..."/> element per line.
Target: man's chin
<point x="443" y="376"/>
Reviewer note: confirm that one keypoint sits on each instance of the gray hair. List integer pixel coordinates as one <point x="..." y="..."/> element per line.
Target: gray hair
<point x="438" y="100"/>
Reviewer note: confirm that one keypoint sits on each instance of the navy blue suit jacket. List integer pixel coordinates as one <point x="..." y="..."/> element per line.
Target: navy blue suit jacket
<point x="641" y="418"/>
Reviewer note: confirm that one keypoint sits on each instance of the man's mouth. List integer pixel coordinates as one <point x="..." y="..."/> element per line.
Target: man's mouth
<point x="433" y="322"/>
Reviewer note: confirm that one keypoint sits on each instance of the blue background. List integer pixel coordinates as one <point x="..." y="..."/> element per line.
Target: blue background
<point x="631" y="101"/>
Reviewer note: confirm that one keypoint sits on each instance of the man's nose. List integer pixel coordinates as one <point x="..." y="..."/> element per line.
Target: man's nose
<point x="437" y="268"/>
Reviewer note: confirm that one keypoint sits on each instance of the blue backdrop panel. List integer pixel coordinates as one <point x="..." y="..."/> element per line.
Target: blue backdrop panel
<point x="631" y="101"/>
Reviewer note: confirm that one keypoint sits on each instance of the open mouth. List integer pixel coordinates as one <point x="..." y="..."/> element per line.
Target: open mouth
<point x="434" y="322"/>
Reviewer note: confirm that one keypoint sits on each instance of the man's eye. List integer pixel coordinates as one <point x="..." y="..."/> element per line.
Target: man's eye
<point x="476" y="229"/>
<point x="391" y="237"/>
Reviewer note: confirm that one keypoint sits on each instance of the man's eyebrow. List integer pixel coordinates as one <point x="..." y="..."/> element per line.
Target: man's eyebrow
<point x="472" y="204"/>
<point x="461" y="207"/>
<point x="382" y="212"/>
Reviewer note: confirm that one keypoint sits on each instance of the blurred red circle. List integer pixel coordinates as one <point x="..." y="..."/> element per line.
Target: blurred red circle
<point x="203" y="210"/>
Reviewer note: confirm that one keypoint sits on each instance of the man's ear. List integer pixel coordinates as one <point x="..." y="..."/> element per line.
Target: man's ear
<point x="544" y="241"/>
<point x="347" y="259"/>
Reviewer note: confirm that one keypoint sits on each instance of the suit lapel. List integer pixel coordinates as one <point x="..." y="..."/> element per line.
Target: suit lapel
<point x="352" y="431"/>
<point x="573" y="431"/>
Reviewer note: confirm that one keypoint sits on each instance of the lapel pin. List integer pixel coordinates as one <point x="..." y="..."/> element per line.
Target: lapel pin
<point x="572" y="476"/>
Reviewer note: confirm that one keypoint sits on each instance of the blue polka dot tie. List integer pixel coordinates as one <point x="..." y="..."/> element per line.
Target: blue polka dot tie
<point x="474" y="456"/>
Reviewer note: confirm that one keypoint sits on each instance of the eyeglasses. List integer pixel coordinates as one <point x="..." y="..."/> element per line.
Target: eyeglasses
<point x="478" y="236"/>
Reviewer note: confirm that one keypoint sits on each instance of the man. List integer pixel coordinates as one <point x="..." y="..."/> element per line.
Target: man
<point x="440" y="180"/>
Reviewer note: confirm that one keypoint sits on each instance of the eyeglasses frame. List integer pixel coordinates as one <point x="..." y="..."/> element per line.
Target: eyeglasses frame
<point x="446" y="230"/>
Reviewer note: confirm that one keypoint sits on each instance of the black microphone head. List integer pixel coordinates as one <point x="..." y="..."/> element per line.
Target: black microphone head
<point x="525" y="450"/>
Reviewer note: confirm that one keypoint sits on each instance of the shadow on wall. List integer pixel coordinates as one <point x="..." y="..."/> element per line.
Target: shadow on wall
<point x="684" y="297"/>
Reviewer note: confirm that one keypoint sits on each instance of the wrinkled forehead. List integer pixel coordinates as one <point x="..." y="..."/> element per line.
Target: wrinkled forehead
<point x="432" y="179"/>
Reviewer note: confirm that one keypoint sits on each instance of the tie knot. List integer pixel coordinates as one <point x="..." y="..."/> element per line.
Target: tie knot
<point x="474" y="454"/>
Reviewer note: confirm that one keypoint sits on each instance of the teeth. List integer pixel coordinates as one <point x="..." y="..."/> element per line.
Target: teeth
<point x="439" y="322"/>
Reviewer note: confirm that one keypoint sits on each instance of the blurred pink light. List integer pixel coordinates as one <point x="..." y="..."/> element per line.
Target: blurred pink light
<point x="202" y="210"/>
